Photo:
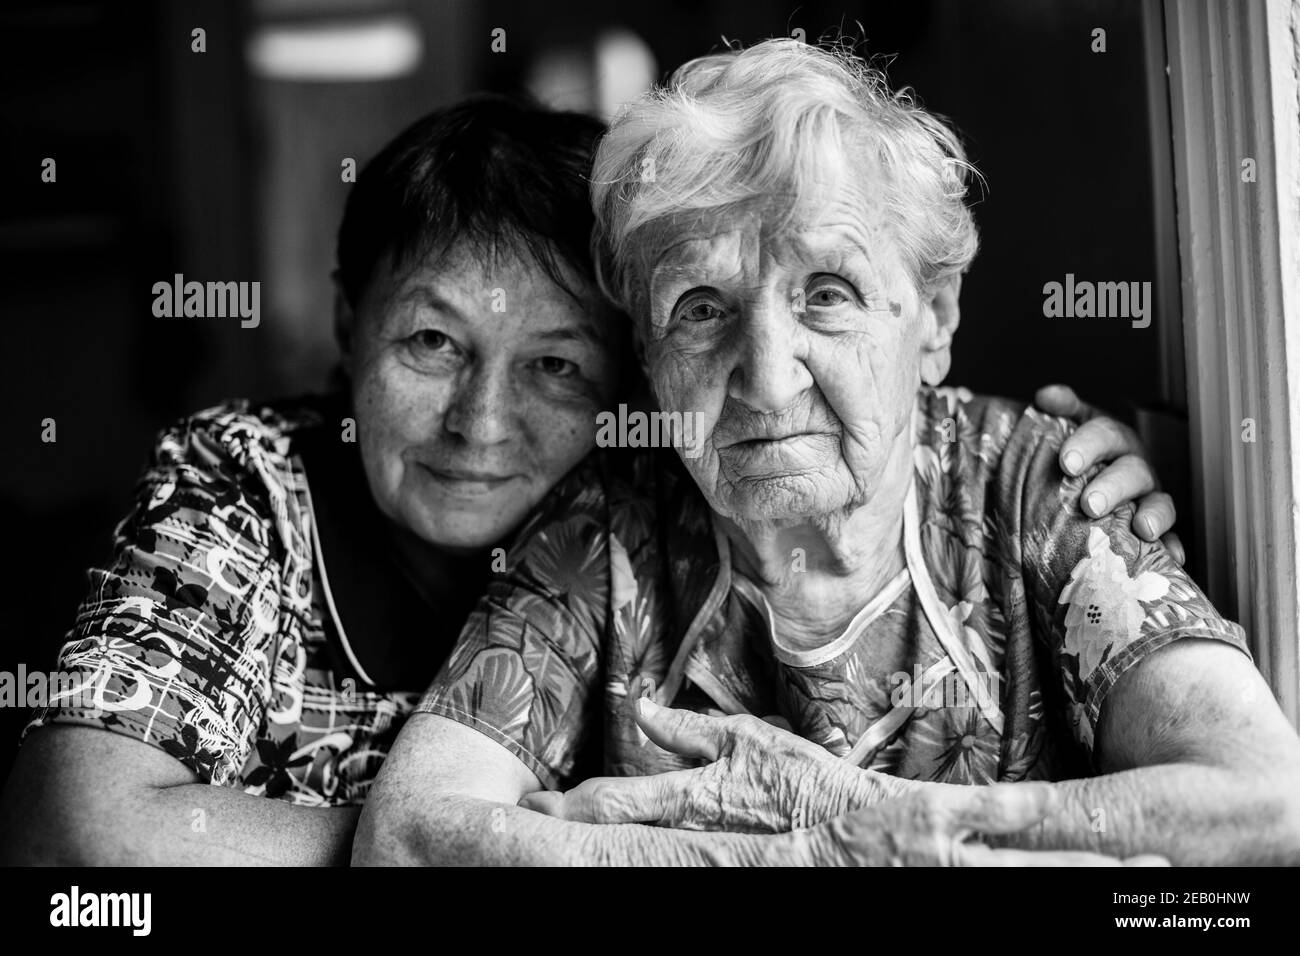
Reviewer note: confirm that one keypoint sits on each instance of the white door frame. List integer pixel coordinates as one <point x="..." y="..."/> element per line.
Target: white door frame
<point x="1234" y="94"/>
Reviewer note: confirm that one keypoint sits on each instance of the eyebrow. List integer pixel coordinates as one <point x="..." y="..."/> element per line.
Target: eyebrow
<point x="423" y="295"/>
<point x="676" y="268"/>
<point x="841" y="241"/>
<point x="583" y="334"/>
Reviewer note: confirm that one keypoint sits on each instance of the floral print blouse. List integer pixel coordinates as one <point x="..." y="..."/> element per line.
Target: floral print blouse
<point x="214" y="632"/>
<point x="988" y="659"/>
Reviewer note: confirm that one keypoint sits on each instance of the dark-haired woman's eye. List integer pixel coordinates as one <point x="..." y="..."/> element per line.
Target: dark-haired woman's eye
<point x="429" y="350"/>
<point x="557" y="367"/>
<point x="428" y="341"/>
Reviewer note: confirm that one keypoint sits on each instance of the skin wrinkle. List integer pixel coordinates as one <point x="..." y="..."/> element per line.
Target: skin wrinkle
<point x="1239" y="813"/>
<point x="1242" y="810"/>
<point x="731" y="366"/>
<point x="485" y="400"/>
<point x="1244" y="820"/>
<point x="1242" y="802"/>
<point x="807" y="493"/>
<point x="812" y="492"/>
<point x="857" y="372"/>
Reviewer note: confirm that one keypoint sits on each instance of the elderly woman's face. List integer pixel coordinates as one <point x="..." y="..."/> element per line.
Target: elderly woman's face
<point x="476" y="387"/>
<point x="799" y="343"/>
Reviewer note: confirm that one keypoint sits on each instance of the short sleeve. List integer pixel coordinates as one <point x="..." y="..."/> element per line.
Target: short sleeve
<point x="526" y="669"/>
<point x="1103" y="599"/>
<point x="173" y="641"/>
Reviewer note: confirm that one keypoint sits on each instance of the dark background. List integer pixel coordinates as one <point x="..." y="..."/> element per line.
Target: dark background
<point x="207" y="164"/>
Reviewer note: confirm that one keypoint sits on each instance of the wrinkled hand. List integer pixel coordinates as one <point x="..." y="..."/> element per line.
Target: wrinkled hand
<point x="760" y="779"/>
<point x="1128" y="477"/>
<point x="935" y="827"/>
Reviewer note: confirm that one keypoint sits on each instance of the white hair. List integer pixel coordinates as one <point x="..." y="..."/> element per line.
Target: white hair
<point x="766" y="121"/>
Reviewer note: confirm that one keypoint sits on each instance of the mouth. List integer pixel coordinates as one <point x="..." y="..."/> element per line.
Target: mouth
<point x="801" y="451"/>
<point x="468" y="480"/>
<point x="769" y="441"/>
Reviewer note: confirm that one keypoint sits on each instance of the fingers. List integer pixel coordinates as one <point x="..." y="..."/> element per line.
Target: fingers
<point x="648" y="799"/>
<point x="1124" y="480"/>
<point x="681" y="731"/>
<point x="1061" y="400"/>
<point x="1001" y="808"/>
<point x="1174" y="545"/>
<point x="1095" y="441"/>
<point x="1154" y="516"/>
<point x="976" y="854"/>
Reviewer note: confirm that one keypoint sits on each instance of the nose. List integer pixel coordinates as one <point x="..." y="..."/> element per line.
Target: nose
<point x="481" y="410"/>
<point x="770" y="370"/>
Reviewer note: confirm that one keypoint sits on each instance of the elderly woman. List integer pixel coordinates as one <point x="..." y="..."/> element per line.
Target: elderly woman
<point x="886" y="587"/>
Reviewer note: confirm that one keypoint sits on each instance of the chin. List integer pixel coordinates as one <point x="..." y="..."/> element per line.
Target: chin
<point x="465" y="530"/>
<point x="786" y="499"/>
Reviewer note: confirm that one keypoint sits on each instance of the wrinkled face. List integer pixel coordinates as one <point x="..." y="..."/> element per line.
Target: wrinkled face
<point x="475" y="386"/>
<point x="798" y="343"/>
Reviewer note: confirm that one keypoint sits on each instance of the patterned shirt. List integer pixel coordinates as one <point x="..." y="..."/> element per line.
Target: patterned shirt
<point x="988" y="659"/>
<point x="217" y="631"/>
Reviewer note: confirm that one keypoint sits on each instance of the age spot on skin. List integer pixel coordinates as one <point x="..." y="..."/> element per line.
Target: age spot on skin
<point x="896" y="309"/>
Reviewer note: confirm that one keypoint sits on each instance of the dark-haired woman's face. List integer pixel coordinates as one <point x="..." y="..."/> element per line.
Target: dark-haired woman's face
<point x="476" y="387"/>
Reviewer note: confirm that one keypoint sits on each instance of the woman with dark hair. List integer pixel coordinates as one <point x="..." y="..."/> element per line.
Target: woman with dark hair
<point x="292" y="575"/>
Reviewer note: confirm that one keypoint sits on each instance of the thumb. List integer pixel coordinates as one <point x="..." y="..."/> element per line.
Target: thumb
<point x="549" y="802"/>
<point x="680" y="731"/>
<point x="1005" y="807"/>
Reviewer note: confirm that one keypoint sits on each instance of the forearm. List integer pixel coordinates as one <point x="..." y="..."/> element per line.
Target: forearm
<point x="241" y="829"/>
<point x="191" y="824"/>
<point x="450" y="829"/>
<point x="1190" y="814"/>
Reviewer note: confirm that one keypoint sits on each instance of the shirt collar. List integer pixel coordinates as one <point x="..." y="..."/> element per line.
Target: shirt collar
<point x="390" y="636"/>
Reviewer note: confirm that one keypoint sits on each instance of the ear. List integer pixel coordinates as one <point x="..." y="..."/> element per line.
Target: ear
<point x="345" y="322"/>
<point x="942" y="315"/>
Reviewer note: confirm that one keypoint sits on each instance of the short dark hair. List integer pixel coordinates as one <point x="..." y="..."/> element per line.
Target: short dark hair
<point x="501" y="173"/>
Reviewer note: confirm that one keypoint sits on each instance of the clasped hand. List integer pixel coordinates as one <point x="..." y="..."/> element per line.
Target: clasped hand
<point x="761" y="778"/>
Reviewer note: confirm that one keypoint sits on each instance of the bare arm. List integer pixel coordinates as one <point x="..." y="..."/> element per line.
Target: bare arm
<point x="81" y="796"/>
<point x="1215" y="781"/>
<point x="447" y="795"/>
<point x="1200" y="767"/>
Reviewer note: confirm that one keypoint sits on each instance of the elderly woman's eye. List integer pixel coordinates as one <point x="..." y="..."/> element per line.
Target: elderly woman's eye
<point x="557" y="367"/>
<point x="829" y="293"/>
<point x="698" y="308"/>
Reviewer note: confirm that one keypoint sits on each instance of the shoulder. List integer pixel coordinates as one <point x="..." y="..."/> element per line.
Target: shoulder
<point x="231" y="476"/>
<point x="237" y="432"/>
<point x="985" y="438"/>
<point x="620" y="511"/>
<point x="239" y="451"/>
<point x="988" y="425"/>
<point x="619" y="491"/>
